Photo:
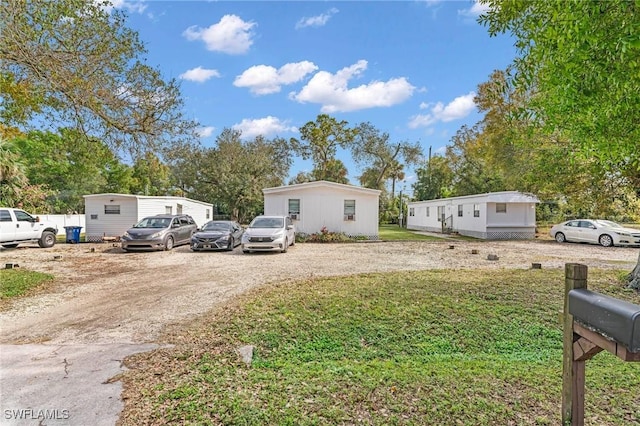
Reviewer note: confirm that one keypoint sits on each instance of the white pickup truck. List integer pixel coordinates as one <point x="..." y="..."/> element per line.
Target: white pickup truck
<point x="18" y="226"/>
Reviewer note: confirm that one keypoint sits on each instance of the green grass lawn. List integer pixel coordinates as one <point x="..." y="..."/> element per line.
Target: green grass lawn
<point x="406" y="348"/>
<point x="17" y="282"/>
<point x="395" y="233"/>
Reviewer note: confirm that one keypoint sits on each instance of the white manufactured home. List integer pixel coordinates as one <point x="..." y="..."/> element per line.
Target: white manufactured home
<point x="110" y="215"/>
<point x="508" y="215"/>
<point x="349" y="209"/>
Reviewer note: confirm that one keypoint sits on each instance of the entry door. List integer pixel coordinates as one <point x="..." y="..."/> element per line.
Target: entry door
<point x="26" y="227"/>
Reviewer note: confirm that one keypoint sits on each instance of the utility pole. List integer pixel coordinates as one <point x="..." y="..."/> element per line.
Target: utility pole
<point x="400" y="217"/>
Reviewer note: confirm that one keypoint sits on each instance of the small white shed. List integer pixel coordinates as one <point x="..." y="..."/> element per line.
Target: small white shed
<point x="349" y="209"/>
<point x="508" y="215"/>
<point x="111" y="215"/>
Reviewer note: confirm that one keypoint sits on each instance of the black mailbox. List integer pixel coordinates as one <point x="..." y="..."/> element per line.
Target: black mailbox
<point x="613" y="317"/>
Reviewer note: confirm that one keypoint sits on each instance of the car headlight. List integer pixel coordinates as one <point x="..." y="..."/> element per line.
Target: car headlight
<point x="626" y="234"/>
<point x="126" y="235"/>
<point x="224" y="238"/>
<point x="156" y="235"/>
<point x="278" y="235"/>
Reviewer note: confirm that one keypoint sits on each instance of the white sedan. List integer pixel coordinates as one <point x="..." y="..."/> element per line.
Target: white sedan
<point x="595" y="231"/>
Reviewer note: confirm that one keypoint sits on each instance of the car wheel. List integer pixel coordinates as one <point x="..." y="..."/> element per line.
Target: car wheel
<point x="48" y="239"/>
<point x="9" y="245"/>
<point x="168" y="245"/>
<point x="560" y="237"/>
<point x="286" y="246"/>
<point x="605" y="240"/>
<point x="231" y="245"/>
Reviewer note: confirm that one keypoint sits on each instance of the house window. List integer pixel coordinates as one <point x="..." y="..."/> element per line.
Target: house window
<point x="501" y="207"/>
<point x="208" y="214"/>
<point x="179" y="209"/>
<point x="440" y="213"/>
<point x="294" y="208"/>
<point x="168" y="210"/>
<point x="94" y="217"/>
<point x="476" y="210"/>
<point x="111" y="209"/>
<point x="427" y="211"/>
<point x="411" y="211"/>
<point x="459" y="210"/>
<point x="349" y="209"/>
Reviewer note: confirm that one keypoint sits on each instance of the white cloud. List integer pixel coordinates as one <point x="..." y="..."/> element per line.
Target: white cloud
<point x="205" y="132"/>
<point x="474" y="11"/>
<point x="331" y="90"/>
<point x="264" y="79"/>
<point x="459" y="108"/>
<point x="131" y="6"/>
<point x="316" y="21"/>
<point x="199" y="74"/>
<point x="231" y="35"/>
<point x="267" y="126"/>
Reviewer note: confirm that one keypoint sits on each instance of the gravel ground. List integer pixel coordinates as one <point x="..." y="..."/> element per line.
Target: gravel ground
<point x="104" y="295"/>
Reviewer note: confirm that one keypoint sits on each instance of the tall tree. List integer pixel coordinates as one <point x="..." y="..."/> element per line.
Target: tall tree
<point x="150" y="176"/>
<point x="434" y="179"/>
<point x="232" y="174"/>
<point x="12" y="173"/>
<point x="320" y="141"/>
<point x="582" y="61"/>
<point x="373" y="150"/>
<point x="74" y="63"/>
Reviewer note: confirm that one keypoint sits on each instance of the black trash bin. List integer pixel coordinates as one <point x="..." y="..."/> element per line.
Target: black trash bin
<point x="73" y="234"/>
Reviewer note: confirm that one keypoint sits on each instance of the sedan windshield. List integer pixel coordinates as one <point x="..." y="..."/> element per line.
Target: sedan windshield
<point x="267" y="222"/>
<point x="153" y="222"/>
<point x="216" y="226"/>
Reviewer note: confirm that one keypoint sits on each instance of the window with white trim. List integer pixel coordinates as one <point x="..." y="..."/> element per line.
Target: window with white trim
<point x="349" y="209"/>
<point x="501" y="207"/>
<point x="112" y="209"/>
<point x="476" y="210"/>
<point x="460" y="207"/>
<point x="440" y="213"/>
<point x="412" y="212"/>
<point x="294" y="208"/>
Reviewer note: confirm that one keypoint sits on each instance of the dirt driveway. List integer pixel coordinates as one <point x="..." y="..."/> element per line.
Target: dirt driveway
<point x="104" y="295"/>
<point x="60" y="349"/>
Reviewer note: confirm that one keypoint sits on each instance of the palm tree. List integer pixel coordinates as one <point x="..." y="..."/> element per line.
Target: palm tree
<point x="12" y="173"/>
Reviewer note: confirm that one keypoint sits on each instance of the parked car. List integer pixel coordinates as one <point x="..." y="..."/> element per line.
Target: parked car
<point x="217" y="235"/>
<point x="18" y="226"/>
<point x="269" y="233"/>
<point x="595" y="231"/>
<point x="160" y="232"/>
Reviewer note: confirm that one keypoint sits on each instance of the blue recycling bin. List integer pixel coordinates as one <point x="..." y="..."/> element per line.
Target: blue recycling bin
<point x="73" y="234"/>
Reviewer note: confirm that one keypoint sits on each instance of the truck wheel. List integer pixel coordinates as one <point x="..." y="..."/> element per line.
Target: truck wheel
<point x="47" y="239"/>
<point x="9" y="245"/>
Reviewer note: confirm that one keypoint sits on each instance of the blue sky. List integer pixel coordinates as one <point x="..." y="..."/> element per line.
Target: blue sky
<point x="411" y="68"/>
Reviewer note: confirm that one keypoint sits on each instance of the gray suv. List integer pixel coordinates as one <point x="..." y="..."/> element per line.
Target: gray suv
<point x="160" y="232"/>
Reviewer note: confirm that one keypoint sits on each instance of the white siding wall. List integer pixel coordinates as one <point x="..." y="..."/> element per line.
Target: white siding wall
<point x="134" y="208"/>
<point x="517" y="223"/>
<point x="109" y="225"/>
<point x="62" y="220"/>
<point x="324" y="206"/>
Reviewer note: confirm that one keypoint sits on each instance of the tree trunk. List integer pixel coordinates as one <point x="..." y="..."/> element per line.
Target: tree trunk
<point x="634" y="276"/>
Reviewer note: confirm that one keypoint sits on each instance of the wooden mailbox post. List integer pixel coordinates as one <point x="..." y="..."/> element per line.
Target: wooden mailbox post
<point x="592" y="323"/>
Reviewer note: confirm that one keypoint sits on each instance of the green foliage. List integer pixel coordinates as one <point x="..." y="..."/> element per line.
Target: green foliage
<point x="434" y="180"/>
<point x="17" y="282"/>
<point x="428" y="347"/>
<point x="233" y="173"/>
<point x="75" y="64"/>
<point x="582" y="59"/>
<point x="320" y="141"/>
<point x="326" y="236"/>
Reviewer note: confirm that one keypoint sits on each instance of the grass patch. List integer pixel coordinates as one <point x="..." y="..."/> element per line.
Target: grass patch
<point x="410" y="348"/>
<point x="395" y="233"/>
<point x="17" y="282"/>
